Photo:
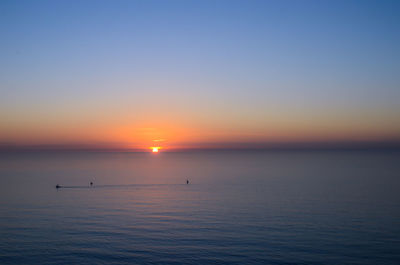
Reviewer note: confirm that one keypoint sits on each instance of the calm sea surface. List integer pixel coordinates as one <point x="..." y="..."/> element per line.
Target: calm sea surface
<point x="239" y="208"/>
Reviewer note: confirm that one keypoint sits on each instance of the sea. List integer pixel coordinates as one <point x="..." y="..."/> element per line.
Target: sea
<point x="239" y="207"/>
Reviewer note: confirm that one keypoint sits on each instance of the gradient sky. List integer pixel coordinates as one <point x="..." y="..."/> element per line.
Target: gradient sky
<point x="198" y="73"/>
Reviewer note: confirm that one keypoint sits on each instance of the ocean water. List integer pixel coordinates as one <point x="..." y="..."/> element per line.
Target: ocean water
<point x="282" y="207"/>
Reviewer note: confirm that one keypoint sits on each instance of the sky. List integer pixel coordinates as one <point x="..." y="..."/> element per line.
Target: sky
<point x="198" y="74"/>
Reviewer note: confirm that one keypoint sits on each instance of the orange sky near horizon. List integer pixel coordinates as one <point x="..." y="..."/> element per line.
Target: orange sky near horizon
<point x="203" y="133"/>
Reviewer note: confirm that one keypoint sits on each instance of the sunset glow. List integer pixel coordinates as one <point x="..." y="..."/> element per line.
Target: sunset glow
<point x="155" y="149"/>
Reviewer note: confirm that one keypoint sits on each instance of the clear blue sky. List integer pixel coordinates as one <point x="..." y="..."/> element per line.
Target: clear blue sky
<point x="228" y="70"/>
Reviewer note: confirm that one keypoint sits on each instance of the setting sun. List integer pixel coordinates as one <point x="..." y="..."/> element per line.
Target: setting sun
<point x="155" y="149"/>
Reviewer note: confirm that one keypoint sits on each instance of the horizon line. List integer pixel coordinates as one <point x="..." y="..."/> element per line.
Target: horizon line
<point x="337" y="145"/>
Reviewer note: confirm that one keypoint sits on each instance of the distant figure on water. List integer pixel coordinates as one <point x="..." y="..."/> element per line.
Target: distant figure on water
<point x="58" y="186"/>
<point x="91" y="184"/>
<point x="187" y="181"/>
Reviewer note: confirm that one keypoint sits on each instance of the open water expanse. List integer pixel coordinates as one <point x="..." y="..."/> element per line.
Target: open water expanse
<point x="281" y="207"/>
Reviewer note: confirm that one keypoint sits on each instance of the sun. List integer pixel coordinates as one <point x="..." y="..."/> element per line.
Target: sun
<point x="155" y="149"/>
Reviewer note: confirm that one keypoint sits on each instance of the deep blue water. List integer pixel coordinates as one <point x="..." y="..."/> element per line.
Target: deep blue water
<point x="239" y="208"/>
